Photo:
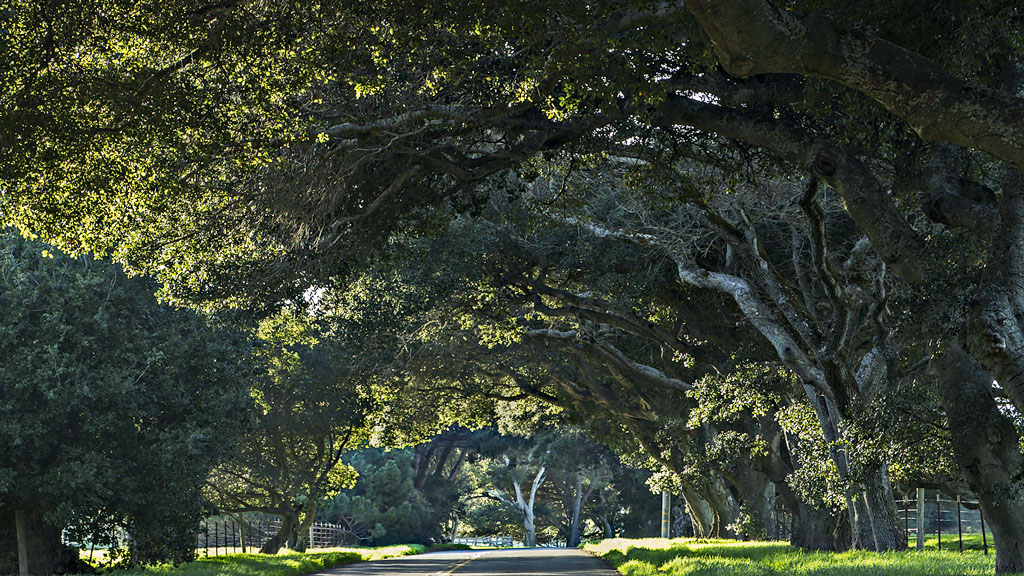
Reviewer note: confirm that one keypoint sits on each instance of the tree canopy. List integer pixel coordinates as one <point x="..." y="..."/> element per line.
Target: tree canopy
<point x="650" y="212"/>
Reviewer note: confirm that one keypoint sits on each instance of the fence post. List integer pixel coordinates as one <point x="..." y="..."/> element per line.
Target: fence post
<point x="938" y="517"/>
<point x="665" y="512"/>
<point x="984" y="539"/>
<point x="920" y="519"/>
<point x="776" y="521"/>
<point x="906" y="521"/>
<point x="959" y="526"/>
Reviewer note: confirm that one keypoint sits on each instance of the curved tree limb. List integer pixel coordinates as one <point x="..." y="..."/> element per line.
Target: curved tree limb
<point x="756" y="37"/>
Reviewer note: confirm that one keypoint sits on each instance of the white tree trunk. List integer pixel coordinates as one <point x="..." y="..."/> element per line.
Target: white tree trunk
<point x="526" y="505"/>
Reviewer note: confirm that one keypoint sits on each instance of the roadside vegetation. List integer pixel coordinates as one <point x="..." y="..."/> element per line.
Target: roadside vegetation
<point x="695" y="557"/>
<point x="282" y="564"/>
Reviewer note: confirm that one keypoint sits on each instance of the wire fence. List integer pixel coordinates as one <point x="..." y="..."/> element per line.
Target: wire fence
<point x="782" y="524"/>
<point x="947" y="518"/>
<point x="230" y="535"/>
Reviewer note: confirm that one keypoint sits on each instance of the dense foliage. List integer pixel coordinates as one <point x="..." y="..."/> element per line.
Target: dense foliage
<point x="114" y="407"/>
<point x="384" y="507"/>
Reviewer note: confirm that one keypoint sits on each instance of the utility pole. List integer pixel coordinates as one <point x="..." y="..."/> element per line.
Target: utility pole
<point x="666" y="513"/>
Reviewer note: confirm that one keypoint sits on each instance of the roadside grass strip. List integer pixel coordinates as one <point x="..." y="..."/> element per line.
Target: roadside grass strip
<point x="283" y="564"/>
<point x="694" y="557"/>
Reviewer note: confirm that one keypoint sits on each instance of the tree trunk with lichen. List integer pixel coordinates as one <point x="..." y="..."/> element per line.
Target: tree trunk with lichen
<point x="989" y="456"/>
<point x="702" y="516"/>
<point x="880" y="505"/>
<point x="994" y="334"/>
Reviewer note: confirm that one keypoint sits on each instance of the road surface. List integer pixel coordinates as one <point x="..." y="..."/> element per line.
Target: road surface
<point x="516" y="561"/>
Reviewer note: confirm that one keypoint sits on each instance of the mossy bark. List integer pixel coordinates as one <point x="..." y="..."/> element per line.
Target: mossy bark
<point x="989" y="456"/>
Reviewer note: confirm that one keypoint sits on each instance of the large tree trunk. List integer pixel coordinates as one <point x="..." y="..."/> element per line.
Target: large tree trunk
<point x="726" y="508"/>
<point x="274" y="544"/>
<point x="812" y="528"/>
<point x="529" y="530"/>
<point x="883" y="517"/>
<point x="701" y="514"/>
<point x="573" y="537"/>
<point x="758" y="495"/>
<point x="574" y="511"/>
<point x="861" y="535"/>
<point x="526" y="506"/>
<point x="995" y="326"/>
<point x="874" y="521"/>
<point x="987" y="450"/>
<point x="606" y="526"/>
<point x="453" y="532"/>
<point x="301" y="542"/>
<point x="40" y="542"/>
<point x="816" y="529"/>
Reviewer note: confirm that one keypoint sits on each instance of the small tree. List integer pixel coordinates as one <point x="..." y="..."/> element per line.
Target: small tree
<point x="521" y="467"/>
<point x="307" y="413"/>
<point x="384" y="507"/>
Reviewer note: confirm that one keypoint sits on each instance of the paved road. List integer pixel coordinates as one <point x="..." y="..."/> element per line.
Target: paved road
<point x="520" y="561"/>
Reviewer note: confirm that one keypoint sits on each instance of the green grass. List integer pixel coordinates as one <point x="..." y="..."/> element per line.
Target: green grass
<point x="690" y="557"/>
<point x="972" y="541"/>
<point x="283" y="564"/>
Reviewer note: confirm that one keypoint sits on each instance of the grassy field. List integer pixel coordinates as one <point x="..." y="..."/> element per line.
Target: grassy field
<point x="949" y="542"/>
<point x="286" y="563"/>
<point x="690" y="557"/>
